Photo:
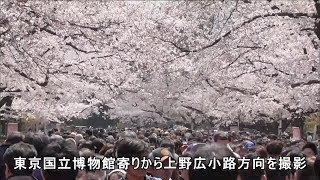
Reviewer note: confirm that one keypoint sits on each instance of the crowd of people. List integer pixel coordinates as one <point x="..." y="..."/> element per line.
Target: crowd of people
<point x="192" y="155"/>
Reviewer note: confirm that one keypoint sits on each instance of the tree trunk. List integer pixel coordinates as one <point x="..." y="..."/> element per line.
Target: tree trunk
<point x="280" y="128"/>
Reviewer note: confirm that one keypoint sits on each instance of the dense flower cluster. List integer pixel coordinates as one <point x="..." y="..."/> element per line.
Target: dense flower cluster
<point x="161" y="60"/>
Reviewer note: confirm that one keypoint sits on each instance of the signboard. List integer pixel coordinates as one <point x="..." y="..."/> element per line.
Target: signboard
<point x="12" y="127"/>
<point x="296" y="133"/>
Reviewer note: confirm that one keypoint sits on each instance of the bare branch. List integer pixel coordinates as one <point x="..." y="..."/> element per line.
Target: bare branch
<point x="43" y="84"/>
<point x="45" y="52"/>
<point x="45" y="28"/>
<point x="100" y="57"/>
<point x="81" y="50"/>
<point x="307" y="29"/>
<point x="237" y="58"/>
<point x="208" y="82"/>
<point x="146" y="110"/>
<point x="242" y="91"/>
<point x="69" y="65"/>
<point x="270" y="63"/>
<point x="310" y="82"/>
<point x="249" y="72"/>
<point x="182" y="49"/>
<point x="84" y="26"/>
<point x="94" y="28"/>
<point x="232" y="11"/>
<point x="193" y="109"/>
<point x="250" y="47"/>
<point x="3" y="90"/>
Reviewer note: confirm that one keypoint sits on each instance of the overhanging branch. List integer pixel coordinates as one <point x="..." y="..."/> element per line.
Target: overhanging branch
<point x="81" y="50"/>
<point x="249" y="72"/>
<point x="281" y="14"/>
<point x="310" y="82"/>
<point x="242" y="91"/>
<point x="43" y="84"/>
<point x="270" y="63"/>
<point x="193" y="109"/>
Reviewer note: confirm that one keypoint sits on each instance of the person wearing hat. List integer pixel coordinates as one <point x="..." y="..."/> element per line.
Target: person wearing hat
<point x="164" y="156"/>
<point x="250" y="146"/>
<point x="223" y="139"/>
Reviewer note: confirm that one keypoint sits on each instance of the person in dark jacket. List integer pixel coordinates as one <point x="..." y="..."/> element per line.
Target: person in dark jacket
<point x="12" y="138"/>
<point x="15" y="170"/>
<point x="58" y="150"/>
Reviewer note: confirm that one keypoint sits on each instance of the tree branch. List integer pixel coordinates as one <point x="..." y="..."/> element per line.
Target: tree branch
<point x="281" y="14"/>
<point x="242" y="91"/>
<point x="100" y="57"/>
<point x="43" y="84"/>
<point x="45" y="28"/>
<point x="310" y="82"/>
<point x="81" y="50"/>
<point x="45" y="52"/>
<point x="11" y="91"/>
<point x="249" y="72"/>
<point x="182" y="49"/>
<point x="69" y="65"/>
<point x="193" y="109"/>
<point x="237" y="58"/>
<point x="270" y="63"/>
<point x="208" y="82"/>
<point x="94" y="28"/>
<point x="87" y="27"/>
<point x="249" y="47"/>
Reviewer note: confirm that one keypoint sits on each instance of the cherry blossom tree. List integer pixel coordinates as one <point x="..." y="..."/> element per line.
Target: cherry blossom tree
<point x="191" y="61"/>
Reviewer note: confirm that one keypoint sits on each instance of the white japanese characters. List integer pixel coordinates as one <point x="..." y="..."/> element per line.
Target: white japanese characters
<point x="182" y="163"/>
